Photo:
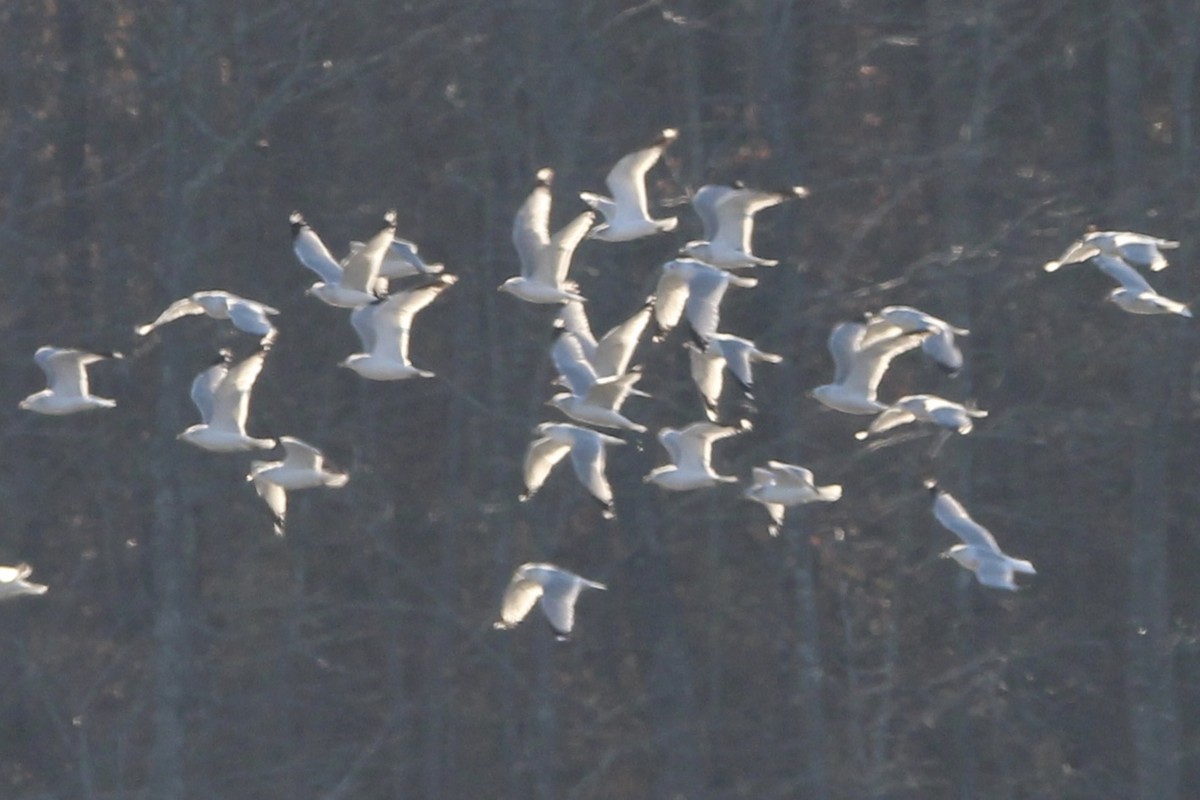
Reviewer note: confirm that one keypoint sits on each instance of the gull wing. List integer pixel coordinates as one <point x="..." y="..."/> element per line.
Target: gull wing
<point x="954" y="518"/>
<point x="669" y="439"/>
<point x="761" y="477"/>
<point x="65" y="369"/>
<point x="615" y="349"/>
<point x="739" y="355"/>
<point x="555" y="259"/>
<point x="572" y="364"/>
<point x="274" y="495"/>
<point x="588" y="460"/>
<point x="301" y="455"/>
<point x="392" y="319"/>
<point x="519" y="597"/>
<point x="311" y="251"/>
<point x="361" y="268"/>
<point x="180" y="308"/>
<point x="705" y="289"/>
<point x="250" y="318"/>
<point x="204" y="387"/>
<point x="363" y="320"/>
<point x="871" y="362"/>
<point x="695" y="444"/>
<point x="573" y="317"/>
<point x="403" y="258"/>
<point x="627" y="179"/>
<point x="792" y="474"/>
<point x="707" y="370"/>
<point x="844" y="342"/>
<point x="735" y="215"/>
<point x="1080" y="250"/>
<point x="705" y="202"/>
<point x="941" y="348"/>
<point x="671" y="294"/>
<point x="540" y="458"/>
<point x="891" y="417"/>
<point x="559" y="593"/>
<point x="610" y="393"/>
<point x="15" y="573"/>
<point x="231" y="397"/>
<point x="531" y="226"/>
<point x="1129" y="278"/>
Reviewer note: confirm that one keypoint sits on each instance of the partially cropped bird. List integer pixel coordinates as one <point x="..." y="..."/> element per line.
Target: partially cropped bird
<point x="555" y="440"/>
<point x="939" y="345"/>
<point x="945" y="414"/>
<point x="13" y="583"/>
<point x="248" y="316"/>
<point x="553" y="588"/>
<point x="1135" y="294"/>
<point x="1137" y="249"/>
<point x="303" y="467"/>
<point x="545" y="259"/>
<point x="695" y="289"/>
<point x="727" y="213"/>
<point x="67" y="389"/>
<point x="221" y="393"/>
<point x="979" y="551"/>
<point x="626" y="213"/>
<point x="690" y="450"/>
<point x="724" y="350"/>
<point x="384" y="328"/>
<point x="355" y="281"/>
<point x="779" y="485"/>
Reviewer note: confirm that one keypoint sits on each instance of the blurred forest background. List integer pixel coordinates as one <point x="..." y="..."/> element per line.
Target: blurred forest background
<point x="151" y="149"/>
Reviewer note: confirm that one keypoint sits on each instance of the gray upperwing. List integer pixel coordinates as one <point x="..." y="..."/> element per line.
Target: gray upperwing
<point x="950" y="513"/>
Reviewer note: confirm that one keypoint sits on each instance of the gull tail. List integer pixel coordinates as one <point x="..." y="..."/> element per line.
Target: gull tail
<point x="1022" y="566"/>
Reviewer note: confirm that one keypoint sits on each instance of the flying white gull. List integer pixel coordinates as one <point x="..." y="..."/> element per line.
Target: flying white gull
<point x="545" y="259"/>
<point x="1135" y="294"/>
<point x="67" y="382"/>
<point x="860" y="358"/>
<point x="695" y="288"/>
<point x="355" y="281"/>
<point x="944" y="413"/>
<point x="690" y="450"/>
<point x="596" y="401"/>
<point x="779" y="485"/>
<point x="1136" y="248"/>
<point x="728" y="216"/>
<point x="554" y="588"/>
<point x="222" y="395"/>
<point x="13" y="583"/>
<point x="939" y="345"/>
<point x="303" y="467"/>
<point x="384" y="328"/>
<point x="401" y="259"/>
<point x="587" y="458"/>
<point x="610" y="356"/>
<point x="626" y="213"/>
<point x="979" y="551"/>
<point x="247" y="316"/>
<point x="725" y="350"/>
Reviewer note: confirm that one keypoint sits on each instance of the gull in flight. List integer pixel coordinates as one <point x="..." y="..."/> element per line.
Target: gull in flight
<point x="690" y="450"/>
<point x="693" y="287"/>
<point x="303" y="467"/>
<point x="594" y="400"/>
<point x="13" y="583"/>
<point x="939" y="345"/>
<point x="554" y="588"/>
<point x="355" y="281"/>
<point x="979" y="551"/>
<point x="946" y="414"/>
<point x="67" y="382"/>
<point x="861" y="355"/>
<point x="586" y="446"/>
<point x="222" y="395"/>
<point x="545" y="259"/>
<point x="1135" y="248"/>
<point x="610" y="355"/>
<point x="725" y="350"/>
<point x="401" y="259"/>
<point x="384" y="328"/>
<point x="779" y="485"/>
<point x="1135" y="294"/>
<point x="727" y="213"/>
<point x="626" y="213"/>
<point x="247" y="316"/>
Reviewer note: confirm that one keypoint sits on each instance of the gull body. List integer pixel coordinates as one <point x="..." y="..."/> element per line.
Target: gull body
<point x="979" y="551"/>
<point x="724" y="350"/>
<point x="67" y="390"/>
<point x="303" y="467"/>
<point x="690" y="450"/>
<point x="779" y="485"/>
<point x="626" y="213"/>
<point x="1135" y="294"/>
<point x="221" y="394"/>
<point x="1135" y="248"/>
<point x="691" y="287"/>
<point x="551" y="587"/>
<point x="13" y="583"/>
<point x="384" y="329"/>
<point x="727" y="213"/>
<point x="610" y="355"/>
<point x="586" y="447"/>
<point x="545" y="259"/>
<point x="591" y="399"/>
<point x="861" y="356"/>
<point x="248" y="316"/>
<point x="355" y="281"/>
<point x="938" y="345"/>
<point x="930" y="408"/>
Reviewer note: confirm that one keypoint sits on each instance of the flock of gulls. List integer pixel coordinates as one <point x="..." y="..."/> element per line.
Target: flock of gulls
<point x="384" y="283"/>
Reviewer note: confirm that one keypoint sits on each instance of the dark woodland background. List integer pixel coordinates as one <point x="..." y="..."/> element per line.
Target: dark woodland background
<point x="150" y="149"/>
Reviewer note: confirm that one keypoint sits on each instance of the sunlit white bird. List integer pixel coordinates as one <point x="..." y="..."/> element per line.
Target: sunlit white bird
<point x="708" y="366"/>
<point x="303" y="467"/>
<point x="594" y="400"/>
<point x="248" y="316"/>
<point x="946" y="414"/>
<point x="727" y="213"/>
<point x="67" y="382"/>
<point x="626" y="213"/>
<point x="13" y="583"/>
<point x="1135" y="294"/>
<point x="610" y="355"/>
<point x="779" y="485"/>
<point x="545" y="259"/>
<point x="384" y="329"/>
<point x="555" y="440"/>
<point x="690" y="450"/>
<point x="691" y="287"/>
<point x="355" y="281"/>
<point x="222" y="395"/>
<point x="1135" y="248"/>
<point x="860" y="359"/>
<point x="939" y="345"/>
<point x="553" y="588"/>
<point x="979" y="551"/>
<point x="401" y="259"/>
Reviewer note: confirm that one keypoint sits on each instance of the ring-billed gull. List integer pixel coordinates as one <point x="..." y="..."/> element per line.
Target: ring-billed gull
<point x="695" y="288"/>
<point x="626" y="213"/>
<point x="939" y="345"/>
<point x="1135" y="294"/>
<point x="586" y="446"/>
<point x="13" y="583"/>
<point x="401" y="260"/>
<point x="222" y="395"/>
<point x="924" y="408"/>
<point x="727" y="213"/>
<point x="248" y="316"/>
<point x="979" y="551"/>
<point x="610" y="355"/>
<point x="690" y="450"/>
<point x="384" y="329"/>
<point x="355" y="281"/>
<point x="860" y="360"/>
<point x="725" y="350"/>
<point x="545" y="259"/>
<point x="67" y="382"/>
<point x="553" y="588"/>
<point x="596" y="401"/>
<point x="1136" y="248"/>
<point x="779" y="485"/>
<point x="303" y="467"/>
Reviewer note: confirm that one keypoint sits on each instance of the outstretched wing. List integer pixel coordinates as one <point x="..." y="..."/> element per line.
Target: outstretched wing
<point x="180" y="308"/>
<point x="950" y="513"/>
<point x="531" y="225"/>
<point x="540" y="458"/>
<point x="627" y="179"/>
<point x="311" y="251"/>
<point x="231" y="397"/>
